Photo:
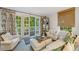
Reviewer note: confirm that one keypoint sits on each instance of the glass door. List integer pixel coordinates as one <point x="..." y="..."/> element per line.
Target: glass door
<point x="26" y="26"/>
<point x="37" y="26"/>
<point x="32" y="26"/>
<point x="18" y="25"/>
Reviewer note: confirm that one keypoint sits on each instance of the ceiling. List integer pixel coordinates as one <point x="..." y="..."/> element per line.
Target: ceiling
<point x="42" y="11"/>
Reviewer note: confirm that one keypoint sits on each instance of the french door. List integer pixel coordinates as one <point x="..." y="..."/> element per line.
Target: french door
<point x="18" y="25"/>
<point x="28" y="25"/>
<point x="32" y="26"/>
<point x="37" y="28"/>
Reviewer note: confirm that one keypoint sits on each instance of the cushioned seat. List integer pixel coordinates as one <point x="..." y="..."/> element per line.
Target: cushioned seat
<point x="69" y="47"/>
<point x="9" y="42"/>
<point x="54" y="45"/>
<point x="37" y="46"/>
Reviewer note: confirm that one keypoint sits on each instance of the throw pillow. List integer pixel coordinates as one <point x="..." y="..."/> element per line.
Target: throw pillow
<point x="9" y="36"/>
<point x="68" y="47"/>
<point x="62" y="35"/>
<point x="77" y="41"/>
<point x="1" y="39"/>
<point x="6" y="36"/>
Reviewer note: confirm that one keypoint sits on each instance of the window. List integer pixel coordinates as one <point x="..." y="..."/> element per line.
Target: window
<point x="18" y="24"/>
<point x="28" y="25"/>
<point x="68" y="29"/>
<point x="37" y="26"/>
<point x="32" y="26"/>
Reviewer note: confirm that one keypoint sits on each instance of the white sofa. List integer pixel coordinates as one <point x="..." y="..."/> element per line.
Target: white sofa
<point x="69" y="47"/>
<point x="9" y="42"/>
<point x="52" y="34"/>
<point x="58" y="35"/>
<point x="54" y="45"/>
<point x="38" y="46"/>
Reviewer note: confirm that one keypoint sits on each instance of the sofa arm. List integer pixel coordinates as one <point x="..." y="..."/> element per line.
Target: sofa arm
<point x="6" y="42"/>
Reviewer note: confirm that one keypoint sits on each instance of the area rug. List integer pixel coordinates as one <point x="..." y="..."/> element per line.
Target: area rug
<point x="26" y="40"/>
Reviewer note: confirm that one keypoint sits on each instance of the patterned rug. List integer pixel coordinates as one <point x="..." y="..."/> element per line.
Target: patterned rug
<point x="27" y="40"/>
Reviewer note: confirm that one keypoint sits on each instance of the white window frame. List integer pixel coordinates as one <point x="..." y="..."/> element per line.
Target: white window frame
<point x="22" y="25"/>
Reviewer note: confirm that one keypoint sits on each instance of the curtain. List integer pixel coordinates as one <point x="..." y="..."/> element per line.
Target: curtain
<point x="8" y="21"/>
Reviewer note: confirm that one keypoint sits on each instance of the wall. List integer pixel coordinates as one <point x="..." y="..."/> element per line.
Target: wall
<point x="54" y="22"/>
<point x="0" y="23"/>
<point x="76" y="28"/>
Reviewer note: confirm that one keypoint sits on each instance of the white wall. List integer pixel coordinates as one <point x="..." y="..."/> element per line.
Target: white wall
<point x="54" y="22"/>
<point x="0" y="23"/>
<point x="76" y="28"/>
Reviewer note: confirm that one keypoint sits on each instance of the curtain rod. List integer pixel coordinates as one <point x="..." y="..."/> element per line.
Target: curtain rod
<point x="19" y="11"/>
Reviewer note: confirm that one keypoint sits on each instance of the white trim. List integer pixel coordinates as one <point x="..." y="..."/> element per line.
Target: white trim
<point x="22" y="25"/>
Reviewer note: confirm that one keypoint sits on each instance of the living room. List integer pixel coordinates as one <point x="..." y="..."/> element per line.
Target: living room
<point x="39" y="29"/>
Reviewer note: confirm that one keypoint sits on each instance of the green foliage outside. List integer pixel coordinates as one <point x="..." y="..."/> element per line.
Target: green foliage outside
<point x="26" y="21"/>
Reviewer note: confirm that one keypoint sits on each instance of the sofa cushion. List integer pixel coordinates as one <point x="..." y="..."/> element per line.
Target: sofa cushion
<point x="62" y="35"/>
<point x="54" y="45"/>
<point x="6" y="36"/>
<point x="77" y="41"/>
<point x="6" y="42"/>
<point x="39" y="45"/>
<point x="58" y="49"/>
<point x="68" y="47"/>
<point x="1" y="39"/>
<point x="48" y="41"/>
<point x="9" y="36"/>
<point x="36" y="45"/>
<point x="52" y="35"/>
<point x="10" y="44"/>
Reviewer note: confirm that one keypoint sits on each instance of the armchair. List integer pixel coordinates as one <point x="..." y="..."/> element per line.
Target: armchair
<point x="38" y="46"/>
<point x="9" y="42"/>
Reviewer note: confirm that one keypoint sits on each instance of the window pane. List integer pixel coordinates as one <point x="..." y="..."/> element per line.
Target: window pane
<point x="32" y="26"/>
<point x="26" y="25"/>
<point x="18" y="24"/>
